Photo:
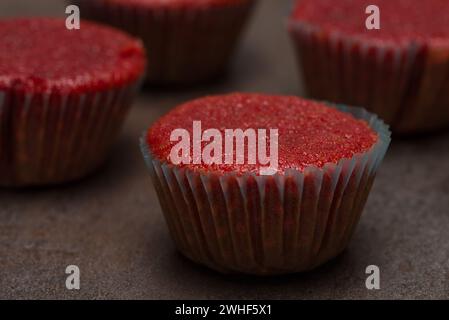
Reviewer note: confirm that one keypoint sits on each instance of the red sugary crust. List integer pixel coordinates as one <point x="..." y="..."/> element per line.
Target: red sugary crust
<point x="310" y="132"/>
<point x="54" y="129"/>
<point x="40" y="56"/>
<point x="185" y="44"/>
<point x="401" y="21"/>
<point x="406" y="84"/>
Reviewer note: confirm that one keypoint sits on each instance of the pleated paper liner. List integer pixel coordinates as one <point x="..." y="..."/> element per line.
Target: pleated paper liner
<point x="407" y="85"/>
<point x="267" y="225"/>
<point x="184" y="45"/>
<point x="53" y="138"/>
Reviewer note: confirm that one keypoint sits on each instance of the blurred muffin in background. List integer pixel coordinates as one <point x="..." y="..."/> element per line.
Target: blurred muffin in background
<point x="400" y="72"/>
<point x="187" y="41"/>
<point x="64" y="95"/>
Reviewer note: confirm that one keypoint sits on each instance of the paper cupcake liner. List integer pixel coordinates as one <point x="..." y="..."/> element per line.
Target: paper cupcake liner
<point x="184" y="45"/>
<point x="407" y="85"/>
<point x="267" y="224"/>
<point x="54" y="138"/>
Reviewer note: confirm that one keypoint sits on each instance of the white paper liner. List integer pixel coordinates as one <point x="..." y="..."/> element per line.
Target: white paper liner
<point x="404" y="83"/>
<point x="185" y="45"/>
<point x="51" y="138"/>
<point x="267" y="224"/>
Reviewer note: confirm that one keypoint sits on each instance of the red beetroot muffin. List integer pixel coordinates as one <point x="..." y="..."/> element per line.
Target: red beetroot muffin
<point x="187" y="41"/>
<point x="63" y="97"/>
<point x="229" y="217"/>
<point x="399" y="72"/>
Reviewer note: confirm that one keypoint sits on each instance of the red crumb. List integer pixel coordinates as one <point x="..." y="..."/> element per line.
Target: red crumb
<point x="310" y="133"/>
<point x="41" y="54"/>
<point x="401" y="20"/>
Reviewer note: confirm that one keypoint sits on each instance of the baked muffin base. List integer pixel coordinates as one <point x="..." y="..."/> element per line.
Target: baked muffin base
<point x="407" y="85"/>
<point x="267" y="225"/>
<point x="185" y="46"/>
<point x="52" y="138"/>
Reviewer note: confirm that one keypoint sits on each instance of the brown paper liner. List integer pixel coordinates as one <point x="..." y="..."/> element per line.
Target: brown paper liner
<point x="267" y="225"/>
<point x="184" y="45"/>
<point x="51" y="138"/>
<point x="407" y="85"/>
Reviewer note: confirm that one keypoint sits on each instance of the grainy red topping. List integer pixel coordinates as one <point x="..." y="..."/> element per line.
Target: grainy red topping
<point x="310" y="133"/>
<point x="401" y="20"/>
<point x="40" y="54"/>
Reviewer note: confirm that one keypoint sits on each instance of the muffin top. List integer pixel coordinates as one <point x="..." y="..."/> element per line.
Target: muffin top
<point x="401" y="20"/>
<point x="310" y="133"/>
<point x="42" y="55"/>
<point x="177" y="3"/>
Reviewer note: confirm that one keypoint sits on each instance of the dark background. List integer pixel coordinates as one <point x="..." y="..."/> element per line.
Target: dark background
<point x="111" y="225"/>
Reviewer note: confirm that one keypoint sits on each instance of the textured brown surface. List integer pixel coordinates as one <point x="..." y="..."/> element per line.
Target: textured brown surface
<point x="111" y="225"/>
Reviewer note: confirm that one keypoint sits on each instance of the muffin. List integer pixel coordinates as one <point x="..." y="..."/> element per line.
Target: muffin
<point x="187" y="41"/>
<point x="64" y="95"/>
<point x="236" y="218"/>
<point x="399" y="72"/>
